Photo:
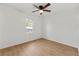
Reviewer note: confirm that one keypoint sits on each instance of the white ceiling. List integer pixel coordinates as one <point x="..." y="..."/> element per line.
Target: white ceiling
<point x="27" y="8"/>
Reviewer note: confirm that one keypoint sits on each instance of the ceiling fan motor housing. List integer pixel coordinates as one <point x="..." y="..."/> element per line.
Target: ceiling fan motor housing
<point x="40" y="7"/>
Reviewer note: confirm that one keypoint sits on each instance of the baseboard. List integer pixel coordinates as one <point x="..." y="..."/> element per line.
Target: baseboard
<point x="36" y="39"/>
<point x="18" y="43"/>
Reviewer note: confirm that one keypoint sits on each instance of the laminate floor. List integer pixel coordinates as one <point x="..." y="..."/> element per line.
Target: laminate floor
<point x="40" y="47"/>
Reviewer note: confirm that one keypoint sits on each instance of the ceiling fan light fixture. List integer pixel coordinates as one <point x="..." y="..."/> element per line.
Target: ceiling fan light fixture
<point x="40" y="11"/>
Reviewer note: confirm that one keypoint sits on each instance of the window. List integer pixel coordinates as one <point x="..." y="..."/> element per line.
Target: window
<point x="29" y="24"/>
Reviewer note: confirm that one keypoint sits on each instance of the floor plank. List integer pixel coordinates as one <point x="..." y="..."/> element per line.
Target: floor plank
<point x="40" y="47"/>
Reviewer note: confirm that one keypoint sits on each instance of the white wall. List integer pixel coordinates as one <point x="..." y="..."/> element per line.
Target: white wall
<point x="12" y="27"/>
<point x="63" y="27"/>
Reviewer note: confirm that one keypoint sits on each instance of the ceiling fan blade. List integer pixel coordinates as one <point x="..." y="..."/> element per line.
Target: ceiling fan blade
<point x="36" y="6"/>
<point x="47" y="10"/>
<point x="48" y="4"/>
<point x="35" y="10"/>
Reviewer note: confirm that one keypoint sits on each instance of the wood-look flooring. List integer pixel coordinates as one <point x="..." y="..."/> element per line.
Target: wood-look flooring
<point x="40" y="47"/>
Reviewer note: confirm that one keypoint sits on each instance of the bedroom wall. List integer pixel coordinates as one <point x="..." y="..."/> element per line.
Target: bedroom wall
<point x="63" y="26"/>
<point x="12" y="27"/>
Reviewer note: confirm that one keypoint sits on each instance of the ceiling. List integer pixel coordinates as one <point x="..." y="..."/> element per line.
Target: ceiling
<point x="27" y="8"/>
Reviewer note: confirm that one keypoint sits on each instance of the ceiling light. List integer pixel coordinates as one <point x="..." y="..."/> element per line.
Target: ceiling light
<point x="40" y="11"/>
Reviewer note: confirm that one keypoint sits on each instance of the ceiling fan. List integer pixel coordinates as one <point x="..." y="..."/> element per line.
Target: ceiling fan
<point x="42" y="8"/>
